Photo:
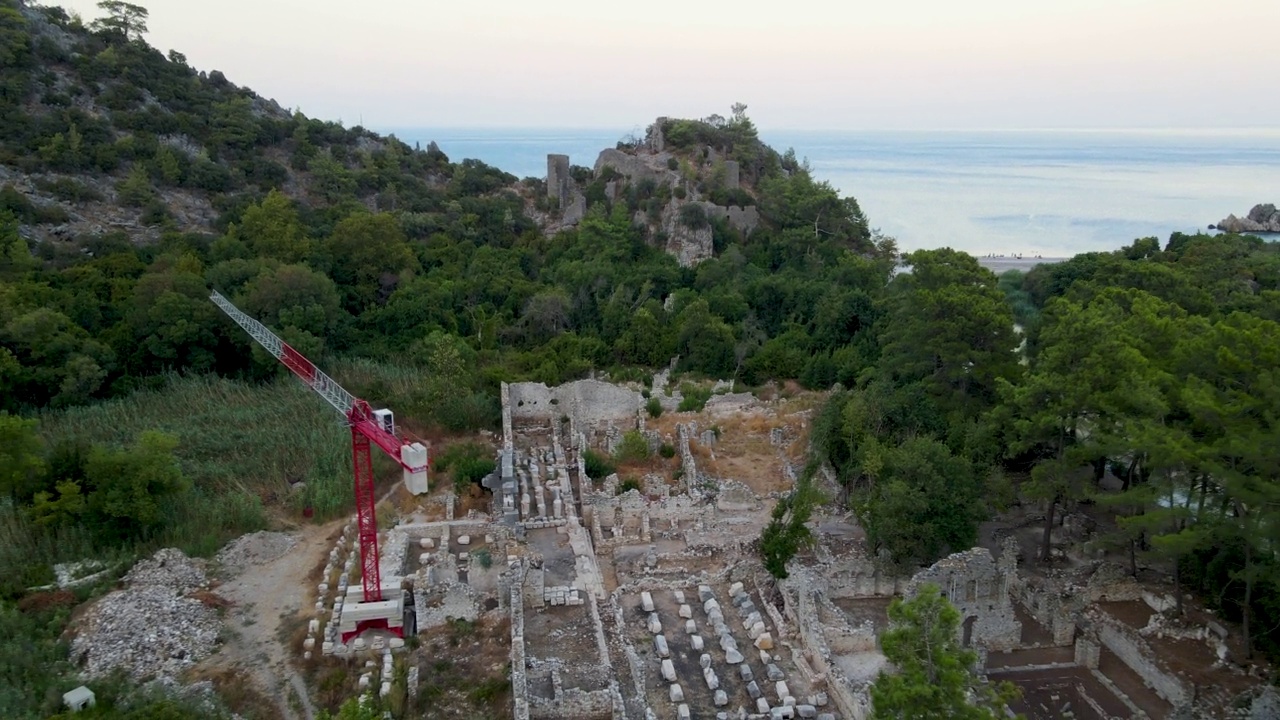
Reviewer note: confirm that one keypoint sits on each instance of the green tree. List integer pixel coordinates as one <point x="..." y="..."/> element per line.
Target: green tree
<point x="925" y="503"/>
<point x="272" y="229"/>
<point x="787" y="532"/>
<point x="1089" y="388"/>
<point x="130" y="488"/>
<point x="21" y="457"/>
<point x="15" y="257"/>
<point x="950" y="327"/>
<point x="369" y="255"/>
<point x="935" y="678"/>
<point x="124" y="19"/>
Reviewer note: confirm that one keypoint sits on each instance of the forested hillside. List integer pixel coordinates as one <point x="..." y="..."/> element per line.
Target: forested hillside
<point x="133" y="415"/>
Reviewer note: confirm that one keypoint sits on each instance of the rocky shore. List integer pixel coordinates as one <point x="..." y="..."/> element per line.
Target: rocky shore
<point x="1262" y="218"/>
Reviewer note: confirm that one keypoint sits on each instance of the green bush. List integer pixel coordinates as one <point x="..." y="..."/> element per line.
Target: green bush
<point x="633" y="448"/>
<point x="672" y="163"/>
<point x="629" y="484"/>
<point x="667" y="450"/>
<point x="695" y="397"/>
<point x="654" y="407"/>
<point x="597" y="465"/>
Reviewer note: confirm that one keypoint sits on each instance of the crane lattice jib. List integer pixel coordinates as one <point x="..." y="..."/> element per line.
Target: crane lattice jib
<point x="324" y="385"/>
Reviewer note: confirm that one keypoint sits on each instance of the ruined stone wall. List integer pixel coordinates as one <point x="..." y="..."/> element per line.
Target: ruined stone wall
<point x="978" y="588"/>
<point x="588" y="403"/>
<point x="519" y="682"/>
<point x="851" y="697"/>
<point x="743" y="219"/>
<point x="1134" y="651"/>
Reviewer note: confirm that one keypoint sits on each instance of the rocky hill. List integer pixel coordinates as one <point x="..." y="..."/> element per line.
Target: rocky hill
<point x="1262" y="218"/>
<point x="693" y="186"/>
<point x="99" y="132"/>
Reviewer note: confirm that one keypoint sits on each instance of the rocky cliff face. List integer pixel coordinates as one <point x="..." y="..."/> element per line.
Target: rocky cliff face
<point x="1262" y="218"/>
<point x="681" y="221"/>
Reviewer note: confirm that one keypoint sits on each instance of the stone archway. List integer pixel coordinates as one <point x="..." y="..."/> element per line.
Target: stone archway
<point x="968" y="630"/>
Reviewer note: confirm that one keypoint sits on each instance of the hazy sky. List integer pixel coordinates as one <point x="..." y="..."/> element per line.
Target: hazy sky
<point x="886" y="64"/>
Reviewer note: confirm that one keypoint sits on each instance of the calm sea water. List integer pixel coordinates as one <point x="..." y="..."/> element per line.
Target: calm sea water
<point x="1050" y="193"/>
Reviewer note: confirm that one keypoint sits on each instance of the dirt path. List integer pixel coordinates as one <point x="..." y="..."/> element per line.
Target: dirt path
<point x="263" y="595"/>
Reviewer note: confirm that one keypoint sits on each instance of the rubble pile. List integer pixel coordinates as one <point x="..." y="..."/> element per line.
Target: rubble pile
<point x="149" y="627"/>
<point x="255" y="549"/>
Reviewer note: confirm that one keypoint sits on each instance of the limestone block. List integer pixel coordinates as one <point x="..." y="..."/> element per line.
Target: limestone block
<point x="385" y="690"/>
<point x="727" y="643"/>
<point x="827" y="716"/>
<point x="709" y="604"/>
<point x="704" y="661"/>
<point x="765" y="657"/>
<point x="424" y="559"/>
<point x="668" y="671"/>
<point x="686" y="611"/>
<point x="327" y="647"/>
<point x="313" y="626"/>
<point x="715" y="617"/>
<point x="679" y="597"/>
<point x="713" y="682"/>
<point x="464" y="539"/>
<point x="789" y="701"/>
<point x="488" y="539"/>
<point x="696" y="642"/>
<point x="720" y="698"/>
<point x="735" y="589"/>
<point x="782" y="690"/>
<point x="720" y="629"/>
<point x="646" y="601"/>
<point x="395" y="643"/>
<point x="357" y="644"/>
<point x="820" y="700"/>
<point x="753" y="689"/>
<point x="363" y="683"/>
<point x="308" y="643"/>
<point x="322" y="588"/>
<point x="752" y="619"/>
<point x="807" y="711"/>
<point x="655" y="625"/>
<point x="775" y="673"/>
<point x="764" y="641"/>
<point x="733" y="657"/>
<point x="756" y="631"/>
<point x="745" y="671"/>
<point x="426" y="543"/>
<point x="463" y="557"/>
<point x="682" y="712"/>
<point x="762" y="705"/>
<point x="306" y="655"/>
<point x="747" y="608"/>
<point x="660" y="646"/>
<point x="690" y="627"/>
<point x="704" y="593"/>
<point x="676" y="693"/>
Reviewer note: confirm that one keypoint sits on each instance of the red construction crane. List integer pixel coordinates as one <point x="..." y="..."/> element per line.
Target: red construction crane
<point x="367" y="426"/>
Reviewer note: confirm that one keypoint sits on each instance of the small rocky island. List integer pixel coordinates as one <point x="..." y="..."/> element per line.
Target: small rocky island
<point x="1262" y="218"/>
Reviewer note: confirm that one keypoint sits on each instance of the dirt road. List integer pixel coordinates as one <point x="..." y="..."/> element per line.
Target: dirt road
<point x="265" y="579"/>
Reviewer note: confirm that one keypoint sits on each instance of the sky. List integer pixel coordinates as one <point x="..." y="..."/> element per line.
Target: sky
<point x="799" y="64"/>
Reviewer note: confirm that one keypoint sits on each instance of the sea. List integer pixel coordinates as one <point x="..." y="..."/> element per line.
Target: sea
<point x="1013" y="195"/>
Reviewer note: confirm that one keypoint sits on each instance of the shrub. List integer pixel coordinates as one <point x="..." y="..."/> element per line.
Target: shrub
<point x="695" y="398"/>
<point x="629" y="484"/>
<point x="633" y="448"/>
<point x="694" y="216"/>
<point x="597" y="465"/>
<point x="484" y="557"/>
<point x="667" y="450"/>
<point x="654" y="407"/>
<point x="672" y="163"/>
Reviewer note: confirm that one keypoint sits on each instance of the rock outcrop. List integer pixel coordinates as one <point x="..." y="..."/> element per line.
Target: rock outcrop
<point x="1262" y="218"/>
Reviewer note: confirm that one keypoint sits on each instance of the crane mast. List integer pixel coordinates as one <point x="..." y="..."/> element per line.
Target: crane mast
<point x="368" y="427"/>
